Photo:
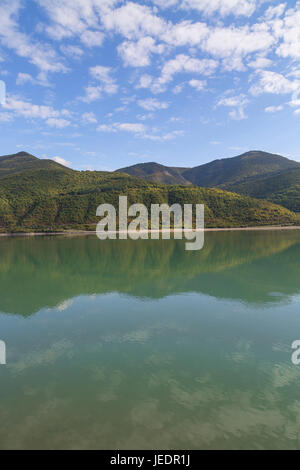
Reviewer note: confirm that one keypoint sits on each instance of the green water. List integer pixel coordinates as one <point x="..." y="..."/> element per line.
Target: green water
<point x="142" y="345"/>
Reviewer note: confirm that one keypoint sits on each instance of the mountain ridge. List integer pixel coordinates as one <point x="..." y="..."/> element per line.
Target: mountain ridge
<point x="255" y="173"/>
<point x="248" y="164"/>
<point x="42" y="195"/>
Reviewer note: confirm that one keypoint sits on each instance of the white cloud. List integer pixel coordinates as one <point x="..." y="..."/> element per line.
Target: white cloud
<point x="275" y="12"/>
<point x="185" y="33"/>
<point x="39" y="54"/>
<point x="165" y="3"/>
<point x="260" y="63"/>
<point x="72" y="51"/>
<point x="145" y="117"/>
<point x="89" y="118"/>
<point x="107" y="84"/>
<point x="164" y="137"/>
<point x="76" y="18"/>
<point x="295" y="102"/>
<point x="92" y="93"/>
<point x="181" y="64"/>
<point x="102" y="74"/>
<point x="288" y="31"/>
<point x="61" y="161"/>
<point x="58" y="123"/>
<point x="222" y="7"/>
<point x="137" y="54"/>
<point x="6" y="117"/>
<point x="28" y="110"/>
<point x="134" y="128"/>
<point x="198" y="84"/>
<point x="178" y="88"/>
<point x="134" y="21"/>
<point x="212" y="7"/>
<point x="152" y="104"/>
<point x="92" y="38"/>
<point x="238" y="103"/>
<point x="139" y="130"/>
<point x="24" y="78"/>
<point x="273" y="109"/>
<point x="232" y="42"/>
<point x="273" y="82"/>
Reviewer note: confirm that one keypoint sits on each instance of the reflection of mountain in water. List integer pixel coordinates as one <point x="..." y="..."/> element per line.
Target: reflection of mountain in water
<point x="247" y="266"/>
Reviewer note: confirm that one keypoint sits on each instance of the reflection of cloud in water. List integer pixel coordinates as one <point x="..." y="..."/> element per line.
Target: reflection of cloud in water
<point x="65" y="305"/>
<point x="285" y="374"/>
<point x="43" y="357"/>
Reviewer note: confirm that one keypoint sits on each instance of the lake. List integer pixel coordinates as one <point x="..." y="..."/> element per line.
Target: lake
<point x="143" y="345"/>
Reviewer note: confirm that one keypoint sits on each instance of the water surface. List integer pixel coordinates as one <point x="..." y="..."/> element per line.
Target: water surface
<point x="142" y="345"/>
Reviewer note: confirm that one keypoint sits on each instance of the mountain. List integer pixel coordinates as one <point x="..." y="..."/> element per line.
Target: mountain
<point x="257" y="174"/>
<point x="156" y="173"/>
<point x="40" y="195"/>
<point x="215" y="173"/>
<point x="23" y="161"/>
<point x="281" y="188"/>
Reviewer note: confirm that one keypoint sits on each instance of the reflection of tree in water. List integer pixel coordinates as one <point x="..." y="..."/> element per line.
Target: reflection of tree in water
<point x="249" y="266"/>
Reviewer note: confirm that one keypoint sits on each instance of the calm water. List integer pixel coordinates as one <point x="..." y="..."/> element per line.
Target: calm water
<point x="121" y="345"/>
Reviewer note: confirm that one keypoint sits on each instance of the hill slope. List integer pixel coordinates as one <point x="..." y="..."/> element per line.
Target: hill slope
<point x="238" y="169"/>
<point x="281" y="188"/>
<point x="216" y="173"/>
<point x="257" y="174"/>
<point x="156" y="173"/>
<point x="57" y="198"/>
<point x="23" y="161"/>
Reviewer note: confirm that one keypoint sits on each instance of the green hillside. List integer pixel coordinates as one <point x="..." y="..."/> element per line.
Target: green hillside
<point x="216" y="173"/>
<point x="22" y="161"/>
<point x="156" y="173"/>
<point x="232" y="170"/>
<point x="257" y="174"/>
<point x="282" y="188"/>
<point x="56" y="198"/>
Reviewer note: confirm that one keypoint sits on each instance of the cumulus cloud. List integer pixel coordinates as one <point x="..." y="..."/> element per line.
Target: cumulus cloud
<point x="237" y="103"/>
<point x="222" y="7"/>
<point x="107" y="84"/>
<point x="273" y="82"/>
<point x="76" y="18"/>
<point x="24" y="78"/>
<point x="152" y="104"/>
<point x="198" y="84"/>
<point x="260" y="63"/>
<point x="134" y="21"/>
<point x="180" y="64"/>
<point x="273" y="109"/>
<point x="211" y="7"/>
<point x="58" y="123"/>
<point x="134" y="128"/>
<point x="89" y="118"/>
<point x="103" y="75"/>
<point x="72" y="51"/>
<point x="64" y="162"/>
<point x="287" y="30"/>
<point x="39" y="54"/>
<point x="28" y="110"/>
<point x="204" y="40"/>
<point x="138" y="54"/>
<point x="6" y="117"/>
<point x="140" y="130"/>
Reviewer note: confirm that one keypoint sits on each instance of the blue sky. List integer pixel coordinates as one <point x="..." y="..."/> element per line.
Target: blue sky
<point x="102" y="84"/>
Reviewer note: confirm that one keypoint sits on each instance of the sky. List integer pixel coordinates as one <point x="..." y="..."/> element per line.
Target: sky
<point x="103" y="84"/>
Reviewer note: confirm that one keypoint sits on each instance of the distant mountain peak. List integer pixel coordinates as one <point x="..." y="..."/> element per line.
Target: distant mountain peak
<point x="217" y="173"/>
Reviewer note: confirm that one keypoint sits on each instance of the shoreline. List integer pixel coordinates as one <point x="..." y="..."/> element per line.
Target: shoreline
<point x="84" y="233"/>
